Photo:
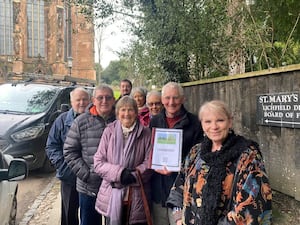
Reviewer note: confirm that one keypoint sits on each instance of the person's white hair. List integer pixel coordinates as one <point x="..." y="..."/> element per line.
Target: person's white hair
<point x="140" y="90"/>
<point x="172" y="85"/>
<point x="153" y="93"/>
<point x="79" y="89"/>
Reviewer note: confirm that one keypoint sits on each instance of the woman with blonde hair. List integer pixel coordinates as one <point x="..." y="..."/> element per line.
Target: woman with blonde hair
<point x="223" y="180"/>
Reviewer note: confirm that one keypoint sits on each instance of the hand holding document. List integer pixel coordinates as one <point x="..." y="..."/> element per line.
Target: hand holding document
<point x="164" y="171"/>
<point x="167" y="148"/>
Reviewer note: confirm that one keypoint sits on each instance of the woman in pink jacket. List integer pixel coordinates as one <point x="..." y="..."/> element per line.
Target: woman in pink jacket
<point x="124" y="149"/>
<point x="139" y="95"/>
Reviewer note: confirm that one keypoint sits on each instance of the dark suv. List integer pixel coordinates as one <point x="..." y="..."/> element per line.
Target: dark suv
<point x="27" y="111"/>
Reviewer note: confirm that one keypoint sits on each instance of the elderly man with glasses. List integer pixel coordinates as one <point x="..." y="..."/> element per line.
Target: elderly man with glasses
<point x="80" y="146"/>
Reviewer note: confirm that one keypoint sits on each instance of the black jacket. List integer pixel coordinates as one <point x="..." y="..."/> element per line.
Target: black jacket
<point x="192" y="134"/>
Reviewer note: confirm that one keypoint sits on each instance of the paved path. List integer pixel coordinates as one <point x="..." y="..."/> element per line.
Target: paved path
<point x="45" y="210"/>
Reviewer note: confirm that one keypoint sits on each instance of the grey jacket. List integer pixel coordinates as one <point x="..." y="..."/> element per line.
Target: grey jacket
<point x="80" y="146"/>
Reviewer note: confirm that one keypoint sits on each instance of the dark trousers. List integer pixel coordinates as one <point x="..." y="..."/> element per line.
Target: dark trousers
<point x="88" y="214"/>
<point x="69" y="204"/>
<point x="125" y="217"/>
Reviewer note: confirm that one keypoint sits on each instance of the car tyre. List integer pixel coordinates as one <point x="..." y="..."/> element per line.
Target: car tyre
<point x="47" y="166"/>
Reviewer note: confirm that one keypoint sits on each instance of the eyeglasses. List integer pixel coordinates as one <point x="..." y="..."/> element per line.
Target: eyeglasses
<point x="153" y="103"/>
<point x="106" y="97"/>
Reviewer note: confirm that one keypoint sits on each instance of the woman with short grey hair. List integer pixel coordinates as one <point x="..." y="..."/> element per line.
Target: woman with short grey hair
<point x="139" y="95"/>
<point x="122" y="155"/>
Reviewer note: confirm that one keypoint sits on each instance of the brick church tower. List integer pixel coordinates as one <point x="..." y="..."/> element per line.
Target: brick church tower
<point x="46" y="38"/>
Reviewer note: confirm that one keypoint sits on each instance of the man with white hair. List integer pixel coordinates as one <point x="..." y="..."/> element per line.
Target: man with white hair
<point x="173" y="116"/>
<point x="79" y="99"/>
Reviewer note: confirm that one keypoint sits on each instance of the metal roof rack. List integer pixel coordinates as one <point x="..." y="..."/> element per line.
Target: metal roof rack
<point x="48" y="79"/>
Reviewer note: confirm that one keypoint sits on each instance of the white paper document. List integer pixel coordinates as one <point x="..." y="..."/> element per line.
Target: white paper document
<point x="167" y="148"/>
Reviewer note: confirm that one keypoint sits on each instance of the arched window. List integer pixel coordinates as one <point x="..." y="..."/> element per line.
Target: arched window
<point x="36" y="28"/>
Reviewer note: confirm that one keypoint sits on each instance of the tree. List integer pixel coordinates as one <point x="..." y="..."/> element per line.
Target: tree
<point x="118" y="70"/>
<point x="183" y="37"/>
<point x="111" y="73"/>
<point x="142" y="60"/>
<point x="193" y="39"/>
<point x="276" y="29"/>
<point x="98" y="69"/>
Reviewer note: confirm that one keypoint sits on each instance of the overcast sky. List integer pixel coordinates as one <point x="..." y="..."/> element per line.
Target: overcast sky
<point x="114" y="40"/>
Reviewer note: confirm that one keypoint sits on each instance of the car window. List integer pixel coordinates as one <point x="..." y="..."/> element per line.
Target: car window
<point x="64" y="97"/>
<point x="28" y="99"/>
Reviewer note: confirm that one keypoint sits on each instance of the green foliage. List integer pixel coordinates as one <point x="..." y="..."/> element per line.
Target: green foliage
<point x="274" y="33"/>
<point x="280" y="16"/>
<point x="195" y="39"/>
<point x="116" y="71"/>
<point x="117" y="93"/>
<point x="179" y="34"/>
<point x="112" y="72"/>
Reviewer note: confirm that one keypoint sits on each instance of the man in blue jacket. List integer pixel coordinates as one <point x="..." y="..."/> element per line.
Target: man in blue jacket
<point x="79" y="99"/>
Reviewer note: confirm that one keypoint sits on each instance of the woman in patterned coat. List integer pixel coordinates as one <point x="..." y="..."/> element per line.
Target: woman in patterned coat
<point x="223" y="180"/>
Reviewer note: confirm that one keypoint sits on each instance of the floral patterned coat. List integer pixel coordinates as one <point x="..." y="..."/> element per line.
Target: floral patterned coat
<point x="245" y="198"/>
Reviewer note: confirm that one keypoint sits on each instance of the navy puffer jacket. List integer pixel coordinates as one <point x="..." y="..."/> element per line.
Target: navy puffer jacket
<point x="54" y="146"/>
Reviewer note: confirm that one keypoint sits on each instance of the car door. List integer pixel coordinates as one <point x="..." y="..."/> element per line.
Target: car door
<point x="7" y="194"/>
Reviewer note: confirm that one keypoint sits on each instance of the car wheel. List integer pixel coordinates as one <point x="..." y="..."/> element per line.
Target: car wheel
<point x="13" y="211"/>
<point x="47" y="166"/>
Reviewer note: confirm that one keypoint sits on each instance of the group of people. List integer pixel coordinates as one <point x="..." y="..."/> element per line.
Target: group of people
<point x="101" y="150"/>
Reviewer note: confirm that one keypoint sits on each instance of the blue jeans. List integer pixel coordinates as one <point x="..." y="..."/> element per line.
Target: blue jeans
<point x="88" y="214"/>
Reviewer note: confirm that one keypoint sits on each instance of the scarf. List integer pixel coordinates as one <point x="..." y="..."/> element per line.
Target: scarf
<point x="124" y="152"/>
<point x="230" y="151"/>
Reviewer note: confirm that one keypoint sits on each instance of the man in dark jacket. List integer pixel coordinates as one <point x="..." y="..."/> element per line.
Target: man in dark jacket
<point x="79" y="99"/>
<point x="80" y="146"/>
<point x="173" y="116"/>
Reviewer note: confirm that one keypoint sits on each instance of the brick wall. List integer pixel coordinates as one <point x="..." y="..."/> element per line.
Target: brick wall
<point x="55" y="61"/>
